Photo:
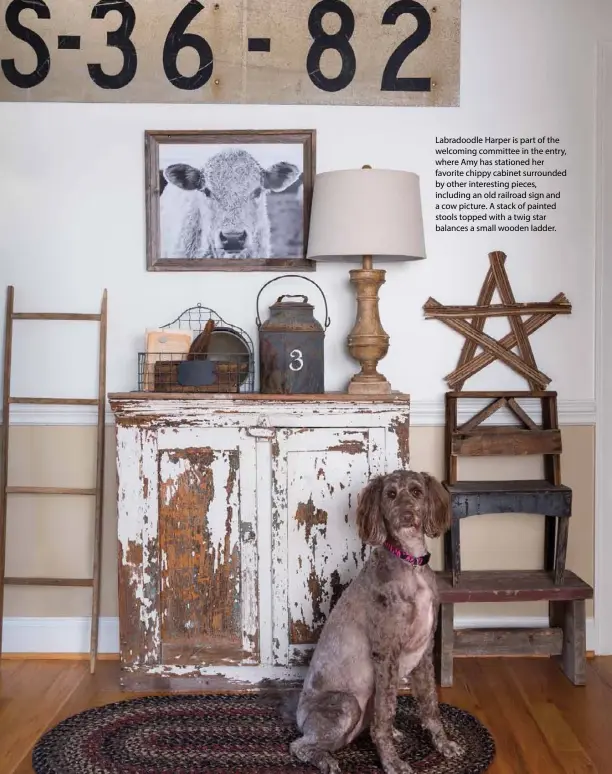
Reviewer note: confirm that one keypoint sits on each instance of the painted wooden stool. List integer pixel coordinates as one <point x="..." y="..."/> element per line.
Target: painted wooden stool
<point x="565" y="592"/>
<point x="564" y="638"/>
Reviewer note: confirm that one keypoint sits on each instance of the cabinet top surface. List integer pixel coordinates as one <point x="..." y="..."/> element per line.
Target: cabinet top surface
<point x="246" y="398"/>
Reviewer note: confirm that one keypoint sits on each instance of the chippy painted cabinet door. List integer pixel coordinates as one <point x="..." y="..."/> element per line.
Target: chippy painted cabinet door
<point x="237" y="528"/>
<point x="198" y="589"/>
<point x="316" y="551"/>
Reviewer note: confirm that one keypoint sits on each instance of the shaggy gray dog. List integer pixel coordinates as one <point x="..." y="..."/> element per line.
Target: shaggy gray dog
<point x="381" y="629"/>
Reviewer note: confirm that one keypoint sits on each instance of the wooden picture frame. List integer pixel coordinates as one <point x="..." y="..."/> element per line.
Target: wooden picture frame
<point x="234" y="200"/>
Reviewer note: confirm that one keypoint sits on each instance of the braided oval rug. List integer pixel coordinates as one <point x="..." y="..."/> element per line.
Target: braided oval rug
<point x="234" y="734"/>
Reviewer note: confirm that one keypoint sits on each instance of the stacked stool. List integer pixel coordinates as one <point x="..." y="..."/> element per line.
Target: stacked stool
<point x="565" y="592"/>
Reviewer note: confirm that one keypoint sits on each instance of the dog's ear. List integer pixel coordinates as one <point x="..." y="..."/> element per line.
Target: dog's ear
<point x="436" y="518"/>
<point x="370" y="523"/>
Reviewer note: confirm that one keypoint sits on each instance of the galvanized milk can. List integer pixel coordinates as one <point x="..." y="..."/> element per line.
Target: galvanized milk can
<point x="291" y="345"/>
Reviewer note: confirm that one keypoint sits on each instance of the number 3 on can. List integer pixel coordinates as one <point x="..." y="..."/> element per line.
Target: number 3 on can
<point x="297" y="360"/>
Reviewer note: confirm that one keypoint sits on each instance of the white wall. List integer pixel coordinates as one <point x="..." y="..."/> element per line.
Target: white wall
<point x="72" y="214"/>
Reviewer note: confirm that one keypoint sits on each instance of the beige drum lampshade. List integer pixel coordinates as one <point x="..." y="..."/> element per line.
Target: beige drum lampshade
<point x="357" y="212"/>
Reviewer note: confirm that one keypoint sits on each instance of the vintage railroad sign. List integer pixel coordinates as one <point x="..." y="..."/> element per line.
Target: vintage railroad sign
<point x="336" y="52"/>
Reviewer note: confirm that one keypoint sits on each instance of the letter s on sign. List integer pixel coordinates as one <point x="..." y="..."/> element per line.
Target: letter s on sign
<point x="16" y="28"/>
<point x="297" y="360"/>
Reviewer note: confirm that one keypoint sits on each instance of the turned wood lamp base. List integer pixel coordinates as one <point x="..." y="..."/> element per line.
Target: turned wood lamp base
<point x="372" y="214"/>
<point x="367" y="342"/>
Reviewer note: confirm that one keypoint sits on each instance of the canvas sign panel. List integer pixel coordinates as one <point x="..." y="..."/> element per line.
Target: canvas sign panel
<point x="336" y="52"/>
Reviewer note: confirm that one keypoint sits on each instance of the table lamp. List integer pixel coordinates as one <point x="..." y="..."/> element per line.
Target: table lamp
<point x="366" y="214"/>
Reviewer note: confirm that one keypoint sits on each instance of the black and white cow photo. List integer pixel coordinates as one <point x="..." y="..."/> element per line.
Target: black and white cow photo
<point x="231" y="201"/>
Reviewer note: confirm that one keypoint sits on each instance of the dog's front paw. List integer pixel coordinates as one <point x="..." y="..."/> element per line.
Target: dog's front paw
<point x="398" y="767"/>
<point x="449" y="749"/>
<point x="334" y="767"/>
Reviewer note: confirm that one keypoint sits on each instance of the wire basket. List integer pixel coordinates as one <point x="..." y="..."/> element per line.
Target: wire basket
<point x="225" y="365"/>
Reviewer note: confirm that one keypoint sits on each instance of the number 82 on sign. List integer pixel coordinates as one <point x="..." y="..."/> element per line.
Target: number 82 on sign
<point x="350" y="52"/>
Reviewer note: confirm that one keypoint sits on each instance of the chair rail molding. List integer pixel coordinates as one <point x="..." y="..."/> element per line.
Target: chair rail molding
<point x="423" y="413"/>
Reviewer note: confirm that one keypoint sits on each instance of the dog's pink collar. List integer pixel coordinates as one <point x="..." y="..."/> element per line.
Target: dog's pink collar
<point x="418" y="561"/>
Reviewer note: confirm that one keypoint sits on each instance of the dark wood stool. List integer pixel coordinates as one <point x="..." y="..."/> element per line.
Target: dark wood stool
<point x="564" y="638"/>
<point x="547" y="497"/>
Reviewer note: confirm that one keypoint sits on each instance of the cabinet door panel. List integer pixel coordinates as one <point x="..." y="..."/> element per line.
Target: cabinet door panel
<point x="318" y="474"/>
<point x="207" y="540"/>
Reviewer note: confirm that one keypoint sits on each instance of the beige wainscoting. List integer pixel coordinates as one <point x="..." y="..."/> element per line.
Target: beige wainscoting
<point x="52" y="535"/>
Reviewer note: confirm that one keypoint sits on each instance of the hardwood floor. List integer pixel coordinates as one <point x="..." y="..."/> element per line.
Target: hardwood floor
<point x="541" y="723"/>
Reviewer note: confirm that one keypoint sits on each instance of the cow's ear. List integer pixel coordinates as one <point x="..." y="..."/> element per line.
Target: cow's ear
<point x="280" y="176"/>
<point x="184" y="176"/>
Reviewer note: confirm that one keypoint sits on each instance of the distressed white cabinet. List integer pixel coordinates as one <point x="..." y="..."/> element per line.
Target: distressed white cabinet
<point x="236" y="527"/>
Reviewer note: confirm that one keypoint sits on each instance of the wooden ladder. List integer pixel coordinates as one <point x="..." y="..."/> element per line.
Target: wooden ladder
<point x="97" y="491"/>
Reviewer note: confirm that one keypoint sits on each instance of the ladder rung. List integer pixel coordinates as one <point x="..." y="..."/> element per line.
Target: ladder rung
<point x="54" y="316"/>
<point x="58" y="401"/>
<point x="48" y="581"/>
<point x="62" y="490"/>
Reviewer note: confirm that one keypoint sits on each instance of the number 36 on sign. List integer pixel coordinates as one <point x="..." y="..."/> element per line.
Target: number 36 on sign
<point x="344" y="52"/>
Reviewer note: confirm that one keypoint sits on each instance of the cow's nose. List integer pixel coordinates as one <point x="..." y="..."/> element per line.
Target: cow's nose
<point x="232" y="240"/>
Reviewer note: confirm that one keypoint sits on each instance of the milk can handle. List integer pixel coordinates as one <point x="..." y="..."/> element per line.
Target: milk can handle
<point x="299" y="276"/>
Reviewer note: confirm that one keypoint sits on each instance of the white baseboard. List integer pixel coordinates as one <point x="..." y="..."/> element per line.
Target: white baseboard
<point x="58" y="635"/>
<point x="422" y="413"/>
<point x="71" y="635"/>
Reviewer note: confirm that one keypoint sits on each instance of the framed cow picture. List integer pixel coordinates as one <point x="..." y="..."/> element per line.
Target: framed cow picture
<point x="228" y="201"/>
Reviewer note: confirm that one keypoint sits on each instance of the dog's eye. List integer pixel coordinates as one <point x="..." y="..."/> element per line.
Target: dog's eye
<point x="415" y="492"/>
<point x="257" y="193"/>
<point x="391" y="494"/>
<point x="207" y="193"/>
